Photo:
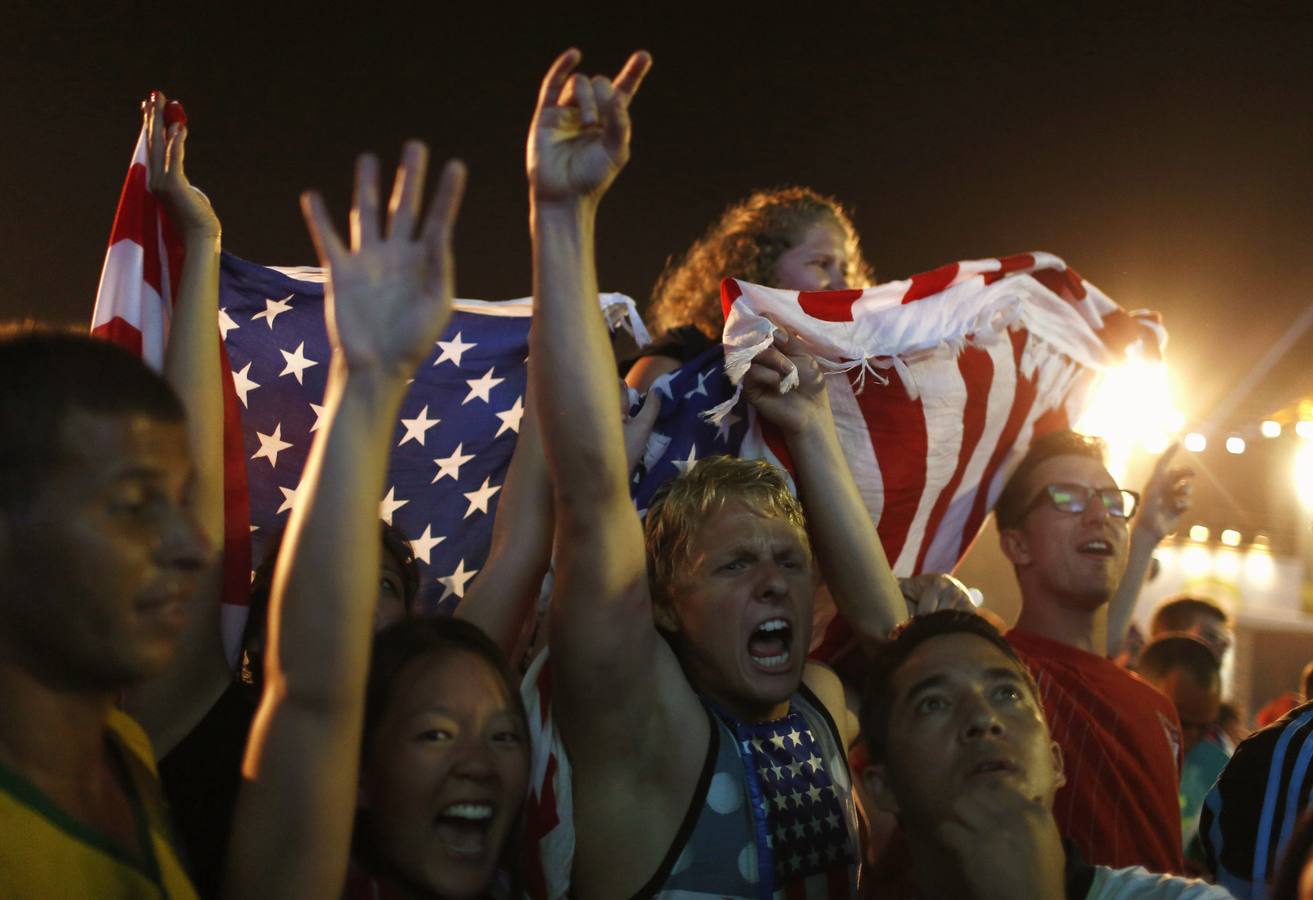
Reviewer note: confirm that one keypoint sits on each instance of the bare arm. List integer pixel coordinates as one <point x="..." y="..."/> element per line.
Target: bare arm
<point x="501" y="600"/>
<point x="387" y="301"/>
<point x="1166" y="499"/>
<point x="601" y="625"/>
<point x="848" y="550"/>
<point x="171" y="704"/>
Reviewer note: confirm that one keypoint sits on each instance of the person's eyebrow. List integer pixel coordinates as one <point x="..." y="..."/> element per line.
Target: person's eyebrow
<point x="1004" y="673"/>
<point x="925" y="684"/>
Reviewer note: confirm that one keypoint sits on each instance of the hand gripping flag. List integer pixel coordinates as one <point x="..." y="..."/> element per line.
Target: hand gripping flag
<point x="133" y="306"/>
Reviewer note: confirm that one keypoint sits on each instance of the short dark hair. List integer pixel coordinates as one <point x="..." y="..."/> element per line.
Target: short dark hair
<point x="1016" y="495"/>
<point x="878" y="697"/>
<point x="49" y="372"/>
<point x="1169" y="652"/>
<point x="1178" y="613"/>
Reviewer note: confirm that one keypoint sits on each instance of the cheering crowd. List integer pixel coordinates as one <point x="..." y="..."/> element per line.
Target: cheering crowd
<point x="361" y="750"/>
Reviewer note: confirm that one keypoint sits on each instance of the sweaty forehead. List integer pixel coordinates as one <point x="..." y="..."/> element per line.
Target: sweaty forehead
<point x="955" y="657"/>
<point x="1070" y="469"/>
<point x="739" y="521"/>
<point x="108" y="447"/>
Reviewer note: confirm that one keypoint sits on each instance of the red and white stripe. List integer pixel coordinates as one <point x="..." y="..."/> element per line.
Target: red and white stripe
<point x="133" y="306"/>
<point x="938" y="385"/>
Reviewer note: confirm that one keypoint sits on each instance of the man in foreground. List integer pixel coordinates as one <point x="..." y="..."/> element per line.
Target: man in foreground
<point x="961" y="754"/>
<point x="99" y="554"/>
<point x="1063" y="524"/>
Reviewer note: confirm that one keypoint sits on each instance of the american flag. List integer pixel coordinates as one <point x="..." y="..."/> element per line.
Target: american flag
<point x="133" y="306"/>
<point x="452" y="444"/>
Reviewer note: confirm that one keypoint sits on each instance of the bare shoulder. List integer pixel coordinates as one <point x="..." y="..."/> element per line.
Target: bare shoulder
<point x="648" y="369"/>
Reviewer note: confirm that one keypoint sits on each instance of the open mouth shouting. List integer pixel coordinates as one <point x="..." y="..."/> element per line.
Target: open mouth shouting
<point x="464" y="828"/>
<point x="1099" y="548"/>
<point x="770" y="646"/>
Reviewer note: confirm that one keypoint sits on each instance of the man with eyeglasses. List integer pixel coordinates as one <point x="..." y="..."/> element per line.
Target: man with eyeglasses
<point x="1064" y="525"/>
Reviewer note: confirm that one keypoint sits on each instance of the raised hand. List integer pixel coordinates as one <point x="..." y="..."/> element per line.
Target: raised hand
<point x="579" y="138"/>
<point x="389" y="296"/>
<point x="638" y="427"/>
<point x="797" y="410"/>
<point x="1166" y="497"/>
<point x="188" y="208"/>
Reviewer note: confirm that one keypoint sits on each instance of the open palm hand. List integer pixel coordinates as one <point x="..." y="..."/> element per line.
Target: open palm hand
<point x="389" y="296"/>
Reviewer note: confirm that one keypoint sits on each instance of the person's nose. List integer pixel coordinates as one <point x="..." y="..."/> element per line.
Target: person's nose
<point x="979" y="718"/>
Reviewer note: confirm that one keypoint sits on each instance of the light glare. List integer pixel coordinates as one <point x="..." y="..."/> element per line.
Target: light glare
<point x="1304" y="475"/>
<point x="1271" y="429"/>
<point x="1235" y="444"/>
<point x="1195" y="442"/>
<point x="1231" y="537"/>
<point x="1199" y="533"/>
<point x="1129" y="407"/>
<point x="1304" y="429"/>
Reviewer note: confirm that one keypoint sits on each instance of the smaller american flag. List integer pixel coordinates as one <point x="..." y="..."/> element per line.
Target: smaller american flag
<point x="808" y="832"/>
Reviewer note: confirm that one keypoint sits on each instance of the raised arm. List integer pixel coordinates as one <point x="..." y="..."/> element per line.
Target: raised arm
<point x="387" y="300"/>
<point x="848" y="551"/>
<point x="1166" y="499"/>
<point x="602" y="635"/>
<point x="170" y="705"/>
<point x="502" y="599"/>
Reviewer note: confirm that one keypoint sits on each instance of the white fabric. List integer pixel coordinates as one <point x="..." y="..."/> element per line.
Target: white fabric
<point x="1137" y="883"/>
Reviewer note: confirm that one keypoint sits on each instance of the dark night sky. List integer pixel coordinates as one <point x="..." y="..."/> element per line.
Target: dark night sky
<point x="1166" y="153"/>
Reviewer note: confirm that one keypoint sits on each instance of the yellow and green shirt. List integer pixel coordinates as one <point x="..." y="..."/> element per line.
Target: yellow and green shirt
<point x="45" y="852"/>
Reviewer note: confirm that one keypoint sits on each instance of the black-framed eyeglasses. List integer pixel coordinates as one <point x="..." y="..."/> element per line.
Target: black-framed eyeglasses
<point x="1074" y="498"/>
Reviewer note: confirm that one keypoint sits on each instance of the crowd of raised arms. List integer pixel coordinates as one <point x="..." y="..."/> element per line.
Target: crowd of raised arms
<point x="693" y="749"/>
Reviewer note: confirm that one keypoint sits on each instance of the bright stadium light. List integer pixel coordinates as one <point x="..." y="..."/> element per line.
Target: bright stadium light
<point x="1196" y="442"/>
<point x="1132" y="405"/>
<point x="1271" y="429"/>
<point x="1226" y="564"/>
<point x="1196" y="561"/>
<point x="1235" y="444"/>
<point x="1259" y="567"/>
<point x="1304" y="475"/>
<point x="1199" y="533"/>
<point x="1230" y="537"/>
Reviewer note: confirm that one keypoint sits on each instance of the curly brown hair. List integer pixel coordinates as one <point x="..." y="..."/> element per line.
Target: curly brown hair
<point x="745" y="242"/>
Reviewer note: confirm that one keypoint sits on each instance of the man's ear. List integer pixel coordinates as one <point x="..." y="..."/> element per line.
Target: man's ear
<point x="1015" y="546"/>
<point x="875" y="778"/>
<point x="1059" y="767"/>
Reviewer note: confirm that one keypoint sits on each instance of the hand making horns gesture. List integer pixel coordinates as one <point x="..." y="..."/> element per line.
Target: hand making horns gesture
<point x="579" y="139"/>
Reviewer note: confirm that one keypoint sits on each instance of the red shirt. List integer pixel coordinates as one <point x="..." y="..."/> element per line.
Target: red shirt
<point x="1121" y="751"/>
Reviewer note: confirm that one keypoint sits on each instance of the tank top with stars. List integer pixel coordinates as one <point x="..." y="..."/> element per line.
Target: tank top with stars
<point x="773" y="814"/>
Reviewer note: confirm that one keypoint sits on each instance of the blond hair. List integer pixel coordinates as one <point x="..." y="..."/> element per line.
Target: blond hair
<point x="682" y="506"/>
